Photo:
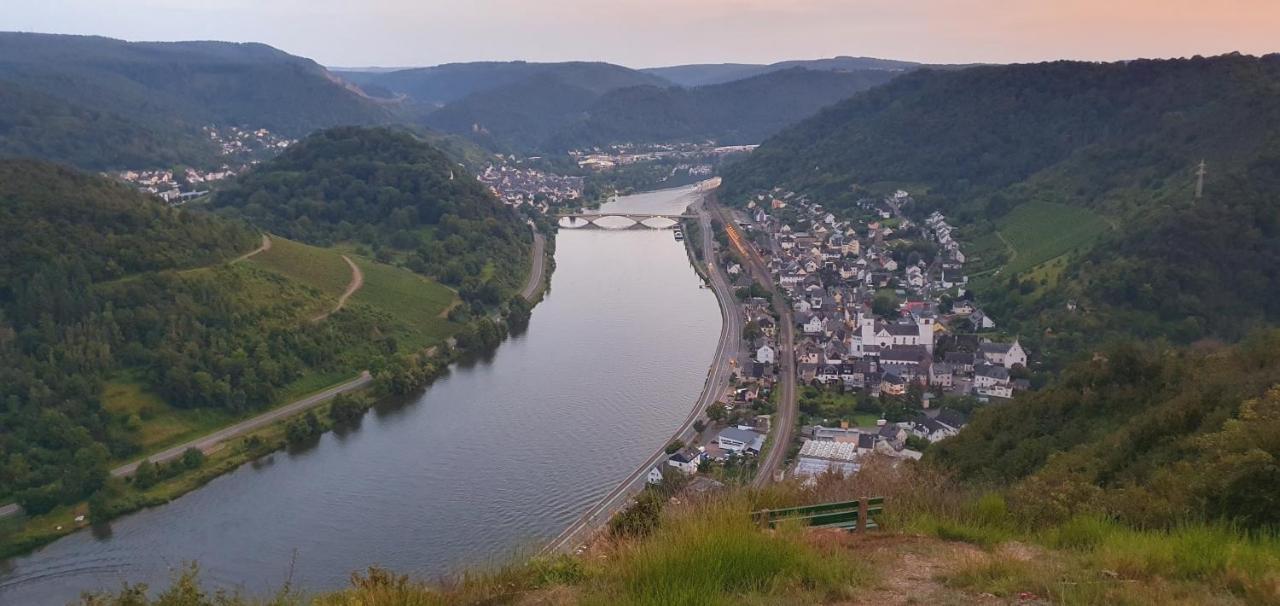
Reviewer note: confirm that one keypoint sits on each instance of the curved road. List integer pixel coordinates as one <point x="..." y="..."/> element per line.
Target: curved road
<point x="717" y="381"/>
<point x="536" y="268"/>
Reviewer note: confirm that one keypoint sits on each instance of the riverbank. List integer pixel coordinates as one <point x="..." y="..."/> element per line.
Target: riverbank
<point x="226" y="448"/>
<point x="727" y="350"/>
<point x="470" y="471"/>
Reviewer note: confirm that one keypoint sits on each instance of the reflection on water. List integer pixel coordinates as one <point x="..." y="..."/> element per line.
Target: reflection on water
<point x="499" y="455"/>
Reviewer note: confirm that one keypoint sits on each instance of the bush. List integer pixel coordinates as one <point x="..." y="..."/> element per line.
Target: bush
<point x="345" y="410"/>
<point x="192" y="458"/>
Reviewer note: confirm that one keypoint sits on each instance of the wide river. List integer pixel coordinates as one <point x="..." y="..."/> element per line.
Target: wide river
<point x="492" y="460"/>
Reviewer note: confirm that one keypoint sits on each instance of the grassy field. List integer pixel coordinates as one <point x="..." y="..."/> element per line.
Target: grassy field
<point x="320" y="268"/>
<point x="159" y="425"/>
<point x="1037" y="232"/>
<point x="418" y="305"/>
<point x="415" y="304"/>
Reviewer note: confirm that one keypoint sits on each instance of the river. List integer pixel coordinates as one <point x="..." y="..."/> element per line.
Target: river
<point x="491" y="461"/>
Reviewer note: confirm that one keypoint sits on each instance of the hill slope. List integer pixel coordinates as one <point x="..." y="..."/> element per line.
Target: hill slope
<point x="550" y="113"/>
<point x="1149" y="435"/>
<point x="1119" y="140"/>
<point x="719" y="73"/>
<point x="394" y="193"/>
<point x="443" y="84"/>
<point x="75" y="98"/>
<point x="91" y="294"/>
<point x="739" y="112"/>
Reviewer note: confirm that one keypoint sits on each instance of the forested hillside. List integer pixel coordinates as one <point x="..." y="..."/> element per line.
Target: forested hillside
<point x="1119" y="142"/>
<point x="1190" y="270"/>
<point x="103" y="103"/>
<point x="521" y="116"/>
<point x="739" y="112"/>
<point x="443" y="84"/>
<point x="90" y="298"/>
<point x="719" y="73"/>
<point x="396" y="194"/>
<point x="551" y="113"/>
<point x="1152" y="435"/>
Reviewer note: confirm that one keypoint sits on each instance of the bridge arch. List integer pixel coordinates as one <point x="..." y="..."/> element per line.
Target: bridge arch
<point x="615" y="222"/>
<point x="659" y="222"/>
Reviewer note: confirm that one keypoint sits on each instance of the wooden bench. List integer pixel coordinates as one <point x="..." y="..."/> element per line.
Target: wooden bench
<point x="850" y="515"/>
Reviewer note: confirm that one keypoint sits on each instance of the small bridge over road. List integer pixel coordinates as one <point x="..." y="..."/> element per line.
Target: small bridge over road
<point x="621" y="220"/>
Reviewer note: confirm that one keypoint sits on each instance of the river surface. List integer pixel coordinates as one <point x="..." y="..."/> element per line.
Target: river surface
<point x="491" y="461"/>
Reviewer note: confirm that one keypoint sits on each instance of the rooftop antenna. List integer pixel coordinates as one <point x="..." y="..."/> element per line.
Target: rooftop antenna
<point x="1200" y="172"/>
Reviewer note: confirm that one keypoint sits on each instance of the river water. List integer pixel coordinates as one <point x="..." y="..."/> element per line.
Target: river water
<point x="492" y="460"/>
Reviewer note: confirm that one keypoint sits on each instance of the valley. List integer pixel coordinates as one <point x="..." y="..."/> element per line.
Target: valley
<point x="664" y="310"/>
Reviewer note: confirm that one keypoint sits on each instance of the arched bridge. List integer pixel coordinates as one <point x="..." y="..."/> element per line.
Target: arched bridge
<point x="621" y="220"/>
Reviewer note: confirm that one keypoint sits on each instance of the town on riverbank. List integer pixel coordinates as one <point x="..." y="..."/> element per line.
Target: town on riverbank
<point x="892" y="351"/>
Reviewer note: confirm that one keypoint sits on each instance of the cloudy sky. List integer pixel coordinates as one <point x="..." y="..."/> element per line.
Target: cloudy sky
<point x="643" y="33"/>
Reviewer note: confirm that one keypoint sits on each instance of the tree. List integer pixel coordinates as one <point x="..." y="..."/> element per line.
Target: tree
<point x="192" y="458"/>
<point x="885" y="304"/>
<point x="145" y="475"/>
<point x="345" y="410"/>
<point x="674" y="446"/>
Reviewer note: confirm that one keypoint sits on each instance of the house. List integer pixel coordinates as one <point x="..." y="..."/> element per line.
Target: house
<point x="932" y="430"/>
<point x="1007" y="355"/>
<point x="655" y="476"/>
<point x="765" y="355"/>
<point x="988" y="375"/>
<point x="995" y="391"/>
<point x="814" y="325"/>
<point x="951" y="418"/>
<point x="940" y="375"/>
<point x="892" y="384"/>
<point x="738" y="440"/>
<point x="960" y="361"/>
<point x="687" y="461"/>
<point x="892" y="434"/>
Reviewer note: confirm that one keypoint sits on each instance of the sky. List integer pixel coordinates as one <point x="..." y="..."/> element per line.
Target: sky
<point x="649" y="33"/>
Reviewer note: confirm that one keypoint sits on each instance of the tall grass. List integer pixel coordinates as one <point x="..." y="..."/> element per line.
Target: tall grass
<point x="714" y="554"/>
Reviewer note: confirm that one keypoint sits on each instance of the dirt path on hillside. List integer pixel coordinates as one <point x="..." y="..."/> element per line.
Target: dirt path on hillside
<point x="266" y="245"/>
<point x="357" y="281"/>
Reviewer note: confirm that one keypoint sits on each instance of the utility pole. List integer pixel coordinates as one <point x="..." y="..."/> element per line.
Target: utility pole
<point x="1200" y="172"/>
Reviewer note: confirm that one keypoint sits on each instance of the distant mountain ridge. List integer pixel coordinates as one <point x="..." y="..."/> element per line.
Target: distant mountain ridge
<point x="738" y="112"/>
<point x="104" y="103"/>
<point x="541" y="107"/>
<point x="442" y="84"/>
<point x="718" y="73"/>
